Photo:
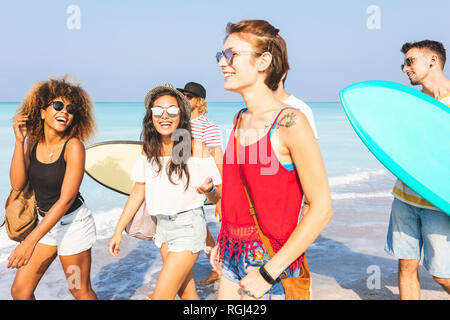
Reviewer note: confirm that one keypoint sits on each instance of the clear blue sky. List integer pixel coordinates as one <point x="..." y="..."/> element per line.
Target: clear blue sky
<point x="124" y="48"/>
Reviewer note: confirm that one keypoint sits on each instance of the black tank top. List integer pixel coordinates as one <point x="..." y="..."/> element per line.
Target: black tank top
<point x="46" y="181"/>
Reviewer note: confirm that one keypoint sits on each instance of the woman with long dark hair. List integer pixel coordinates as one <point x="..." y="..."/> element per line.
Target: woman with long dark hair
<point x="173" y="175"/>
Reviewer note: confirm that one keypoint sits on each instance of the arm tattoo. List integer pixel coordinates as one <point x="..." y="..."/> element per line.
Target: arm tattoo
<point x="287" y="121"/>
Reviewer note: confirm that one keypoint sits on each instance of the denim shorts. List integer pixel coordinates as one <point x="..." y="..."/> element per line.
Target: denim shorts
<point x="73" y="233"/>
<point x="184" y="231"/>
<point x="234" y="269"/>
<point x="412" y="228"/>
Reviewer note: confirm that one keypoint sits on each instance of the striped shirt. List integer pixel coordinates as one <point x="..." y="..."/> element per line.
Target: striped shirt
<point x="206" y="131"/>
<point x="403" y="193"/>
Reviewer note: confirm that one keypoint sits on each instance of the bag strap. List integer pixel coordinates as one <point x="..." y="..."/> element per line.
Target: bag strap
<point x="252" y="209"/>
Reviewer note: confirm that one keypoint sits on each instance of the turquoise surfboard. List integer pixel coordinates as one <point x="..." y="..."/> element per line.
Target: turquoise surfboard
<point x="407" y="131"/>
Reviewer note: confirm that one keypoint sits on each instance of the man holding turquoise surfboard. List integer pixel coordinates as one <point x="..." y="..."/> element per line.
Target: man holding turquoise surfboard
<point x="414" y="222"/>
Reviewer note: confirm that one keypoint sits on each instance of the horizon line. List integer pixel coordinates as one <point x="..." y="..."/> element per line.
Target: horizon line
<point x="206" y="101"/>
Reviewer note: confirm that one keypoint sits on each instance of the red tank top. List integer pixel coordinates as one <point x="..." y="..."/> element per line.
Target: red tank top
<point x="276" y="193"/>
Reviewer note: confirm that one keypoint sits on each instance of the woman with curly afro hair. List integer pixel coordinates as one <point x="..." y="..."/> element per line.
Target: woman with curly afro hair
<point x="50" y="127"/>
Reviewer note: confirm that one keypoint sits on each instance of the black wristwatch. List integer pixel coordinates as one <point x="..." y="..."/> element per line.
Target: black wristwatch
<point x="267" y="276"/>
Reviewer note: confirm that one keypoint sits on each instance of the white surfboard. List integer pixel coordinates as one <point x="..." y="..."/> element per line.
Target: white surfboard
<point x="110" y="163"/>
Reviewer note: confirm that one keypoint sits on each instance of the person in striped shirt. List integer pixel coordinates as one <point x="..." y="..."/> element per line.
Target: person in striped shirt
<point x="207" y="132"/>
<point x="414" y="222"/>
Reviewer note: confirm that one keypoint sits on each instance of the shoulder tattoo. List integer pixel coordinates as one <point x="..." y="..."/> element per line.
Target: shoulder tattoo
<point x="288" y="120"/>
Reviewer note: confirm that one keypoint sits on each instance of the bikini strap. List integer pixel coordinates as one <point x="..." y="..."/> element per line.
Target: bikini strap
<point x="64" y="149"/>
<point x="238" y="117"/>
<point x="33" y="150"/>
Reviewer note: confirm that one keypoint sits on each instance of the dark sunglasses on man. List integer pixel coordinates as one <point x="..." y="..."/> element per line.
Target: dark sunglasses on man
<point x="408" y="62"/>
<point x="189" y="96"/>
<point x="58" y="106"/>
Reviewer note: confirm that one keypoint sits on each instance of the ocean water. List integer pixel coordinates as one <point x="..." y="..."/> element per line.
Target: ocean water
<point x="353" y="172"/>
<point x="360" y="185"/>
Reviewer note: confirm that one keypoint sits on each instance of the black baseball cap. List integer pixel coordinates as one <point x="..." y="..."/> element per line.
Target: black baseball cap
<point x="194" y="88"/>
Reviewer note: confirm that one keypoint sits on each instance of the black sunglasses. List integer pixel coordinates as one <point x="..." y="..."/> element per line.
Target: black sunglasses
<point x="408" y="62"/>
<point x="189" y="96"/>
<point x="58" y="106"/>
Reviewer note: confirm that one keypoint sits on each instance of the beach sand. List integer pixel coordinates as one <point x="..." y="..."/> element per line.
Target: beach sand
<point x="344" y="262"/>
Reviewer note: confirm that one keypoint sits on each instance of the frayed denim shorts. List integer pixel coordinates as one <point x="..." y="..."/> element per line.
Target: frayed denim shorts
<point x="234" y="265"/>
<point x="184" y="231"/>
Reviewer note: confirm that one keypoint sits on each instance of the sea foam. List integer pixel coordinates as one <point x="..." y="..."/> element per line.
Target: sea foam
<point x="355" y="178"/>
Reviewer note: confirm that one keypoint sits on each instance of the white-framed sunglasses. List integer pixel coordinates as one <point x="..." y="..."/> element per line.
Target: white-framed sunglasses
<point x="171" y="111"/>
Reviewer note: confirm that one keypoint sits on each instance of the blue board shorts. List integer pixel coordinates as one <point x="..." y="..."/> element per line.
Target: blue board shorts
<point x="234" y="269"/>
<point x="412" y="228"/>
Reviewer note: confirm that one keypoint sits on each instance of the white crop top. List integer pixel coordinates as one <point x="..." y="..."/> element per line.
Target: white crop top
<point x="165" y="198"/>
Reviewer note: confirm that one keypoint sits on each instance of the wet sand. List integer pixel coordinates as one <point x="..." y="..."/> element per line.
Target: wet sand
<point x="347" y="262"/>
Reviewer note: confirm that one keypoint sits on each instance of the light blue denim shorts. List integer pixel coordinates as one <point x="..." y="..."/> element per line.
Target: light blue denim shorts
<point x="412" y="228"/>
<point x="184" y="231"/>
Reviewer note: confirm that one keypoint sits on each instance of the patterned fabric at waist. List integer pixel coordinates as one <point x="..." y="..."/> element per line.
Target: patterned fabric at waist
<point x="246" y="238"/>
<point x="245" y="233"/>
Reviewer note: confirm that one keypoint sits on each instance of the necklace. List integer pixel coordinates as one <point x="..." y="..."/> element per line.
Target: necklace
<point x="51" y="152"/>
<point x="50" y="155"/>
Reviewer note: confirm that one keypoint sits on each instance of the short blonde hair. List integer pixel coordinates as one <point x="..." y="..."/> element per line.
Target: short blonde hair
<point x="202" y="105"/>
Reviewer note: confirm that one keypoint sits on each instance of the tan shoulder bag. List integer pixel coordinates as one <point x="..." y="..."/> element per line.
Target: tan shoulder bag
<point x="21" y="216"/>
